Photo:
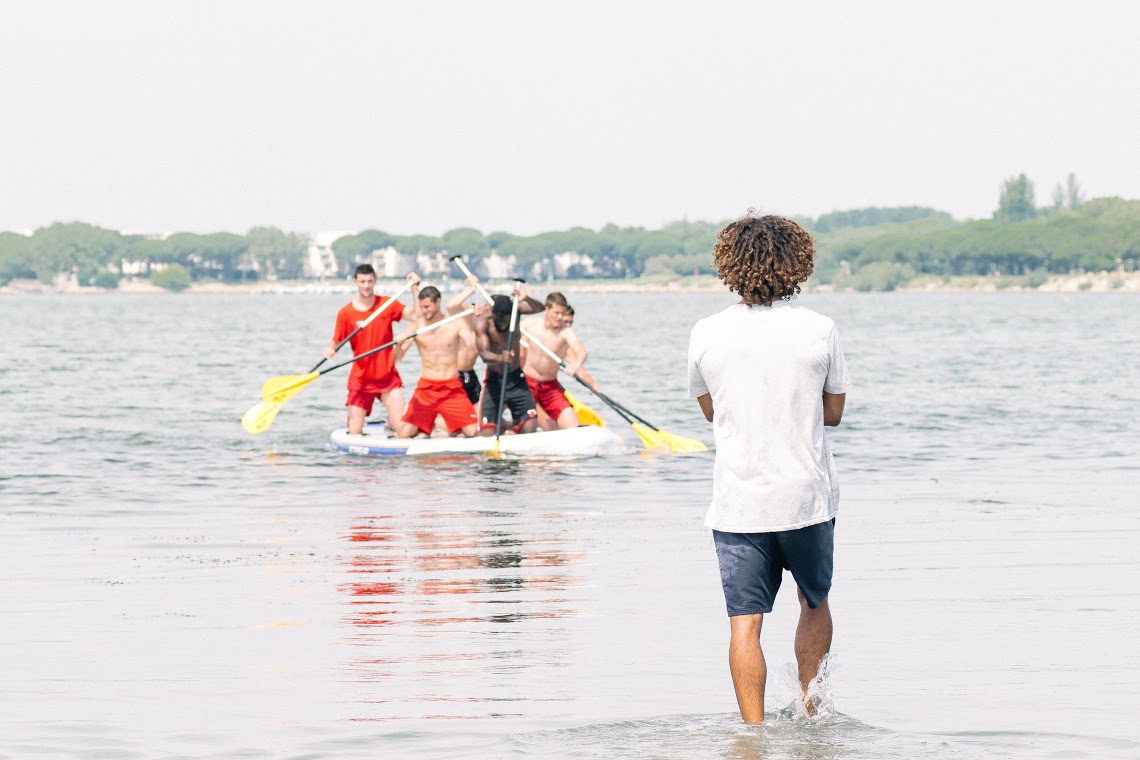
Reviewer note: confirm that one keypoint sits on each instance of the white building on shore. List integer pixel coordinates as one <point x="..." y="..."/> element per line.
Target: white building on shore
<point x="321" y="260"/>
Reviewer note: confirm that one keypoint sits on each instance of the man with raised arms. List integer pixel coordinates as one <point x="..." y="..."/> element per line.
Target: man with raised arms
<point x="542" y="371"/>
<point x="492" y="339"/>
<point x="373" y="377"/>
<point x="439" y="391"/>
<point x="468" y="354"/>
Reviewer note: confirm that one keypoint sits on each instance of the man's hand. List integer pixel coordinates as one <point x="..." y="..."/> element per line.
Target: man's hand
<point x="414" y="279"/>
<point x="472" y="282"/>
<point x="480" y="310"/>
<point x="330" y="352"/>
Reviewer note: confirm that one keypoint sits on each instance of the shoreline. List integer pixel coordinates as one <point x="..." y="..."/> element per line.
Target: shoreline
<point x="1093" y="282"/>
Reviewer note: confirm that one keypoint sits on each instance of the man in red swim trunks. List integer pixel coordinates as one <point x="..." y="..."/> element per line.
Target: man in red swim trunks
<point x="439" y="391"/>
<point x="541" y="371"/>
<point x="373" y="377"/>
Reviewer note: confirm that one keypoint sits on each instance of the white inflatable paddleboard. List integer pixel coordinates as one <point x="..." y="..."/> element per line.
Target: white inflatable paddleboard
<point x="585" y="441"/>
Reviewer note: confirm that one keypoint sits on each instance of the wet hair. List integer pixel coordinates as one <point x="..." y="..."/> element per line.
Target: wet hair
<point x="554" y="298"/>
<point x="764" y="259"/>
<point x="430" y="291"/>
<point x="364" y="269"/>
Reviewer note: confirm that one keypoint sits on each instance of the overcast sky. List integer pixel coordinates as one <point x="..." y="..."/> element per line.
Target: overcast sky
<point x="529" y="116"/>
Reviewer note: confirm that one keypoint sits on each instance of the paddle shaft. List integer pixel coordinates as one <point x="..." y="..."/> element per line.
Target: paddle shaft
<point x="361" y="326"/>
<point x="389" y="344"/>
<point x="506" y="366"/>
<point x="624" y="413"/>
<point x="478" y="285"/>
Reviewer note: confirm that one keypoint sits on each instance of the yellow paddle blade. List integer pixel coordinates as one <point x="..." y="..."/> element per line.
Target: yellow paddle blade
<point x="679" y="444"/>
<point x="260" y="417"/>
<point x="586" y="415"/>
<point x="280" y="389"/>
<point x="650" y="438"/>
<point x="659" y="440"/>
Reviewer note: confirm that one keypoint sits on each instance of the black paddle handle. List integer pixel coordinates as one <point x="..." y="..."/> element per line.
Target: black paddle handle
<point x="608" y="401"/>
<point x="355" y="358"/>
<point x="640" y="419"/>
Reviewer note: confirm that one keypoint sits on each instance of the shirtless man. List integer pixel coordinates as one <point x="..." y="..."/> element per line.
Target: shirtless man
<point x="468" y="354"/>
<point x="492" y="341"/>
<point x="541" y="371"/>
<point x="439" y="391"/>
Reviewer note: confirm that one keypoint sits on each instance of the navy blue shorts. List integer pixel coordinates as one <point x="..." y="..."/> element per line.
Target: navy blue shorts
<point x="752" y="565"/>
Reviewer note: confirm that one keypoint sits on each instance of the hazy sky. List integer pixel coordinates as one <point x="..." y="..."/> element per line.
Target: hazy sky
<point x="423" y="116"/>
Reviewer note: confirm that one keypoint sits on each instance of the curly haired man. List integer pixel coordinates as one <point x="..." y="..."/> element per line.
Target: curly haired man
<point x="769" y="375"/>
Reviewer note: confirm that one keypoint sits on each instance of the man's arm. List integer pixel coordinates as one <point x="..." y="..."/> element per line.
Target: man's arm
<point x="415" y="280"/>
<point x="483" y="342"/>
<point x="833" y="408"/>
<point x="528" y="305"/>
<point x="405" y="343"/>
<point x="455" y="303"/>
<point x="706" y="405"/>
<point x="576" y="352"/>
<point x="330" y="349"/>
<point x="582" y="373"/>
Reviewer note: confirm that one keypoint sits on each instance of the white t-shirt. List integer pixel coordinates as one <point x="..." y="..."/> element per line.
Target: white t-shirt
<point x="767" y="368"/>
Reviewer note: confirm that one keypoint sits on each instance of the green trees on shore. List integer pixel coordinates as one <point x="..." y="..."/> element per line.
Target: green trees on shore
<point x="1099" y="235"/>
<point x="870" y="248"/>
<point x="95" y="255"/>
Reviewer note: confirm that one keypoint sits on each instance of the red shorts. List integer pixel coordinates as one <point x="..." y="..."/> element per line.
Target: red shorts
<point x="446" y="398"/>
<point x="550" y="395"/>
<point x="363" y="392"/>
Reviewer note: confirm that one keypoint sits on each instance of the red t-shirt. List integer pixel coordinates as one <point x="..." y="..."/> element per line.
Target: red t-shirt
<point x="379" y="366"/>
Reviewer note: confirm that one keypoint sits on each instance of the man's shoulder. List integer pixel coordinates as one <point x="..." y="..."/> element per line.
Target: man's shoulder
<point x="811" y="319"/>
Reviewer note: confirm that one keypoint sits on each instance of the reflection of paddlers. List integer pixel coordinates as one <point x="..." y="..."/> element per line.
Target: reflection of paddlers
<point x="770" y="375"/>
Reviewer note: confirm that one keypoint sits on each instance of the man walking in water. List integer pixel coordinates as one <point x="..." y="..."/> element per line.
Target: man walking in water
<point x="769" y="375"/>
<point x="373" y="377"/>
<point x="541" y="371"/>
<point x="439" y="391"/>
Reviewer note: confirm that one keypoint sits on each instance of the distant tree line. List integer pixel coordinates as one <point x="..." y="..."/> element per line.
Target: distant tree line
<point x="95" y="255"/>
<point x="614" y="251"/>
<point x="1099" y="235"/>
<point x="870" y="248"/>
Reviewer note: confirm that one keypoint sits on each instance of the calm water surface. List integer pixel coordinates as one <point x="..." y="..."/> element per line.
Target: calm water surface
<point x="173" y="587"/>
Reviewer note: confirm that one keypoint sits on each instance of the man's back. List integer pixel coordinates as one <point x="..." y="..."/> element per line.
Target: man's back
<point x="766" y="369"/>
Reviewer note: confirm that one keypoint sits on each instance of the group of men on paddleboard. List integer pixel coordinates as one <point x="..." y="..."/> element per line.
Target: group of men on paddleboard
<point x="448" y="389"/>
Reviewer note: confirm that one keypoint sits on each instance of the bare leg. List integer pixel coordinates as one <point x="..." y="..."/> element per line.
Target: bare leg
<point x="746" y="662"/>
<point x="406" y="430"/>
<point x="355" y="419"/>
<point x="544" y="420"/>
<point x="813" y="641"/>
<point x="394" y="406"/>
<point x="568" y="419"/>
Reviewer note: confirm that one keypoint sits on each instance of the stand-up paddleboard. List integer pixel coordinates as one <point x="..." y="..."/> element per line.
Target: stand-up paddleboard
<point x="585" y="441"/>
